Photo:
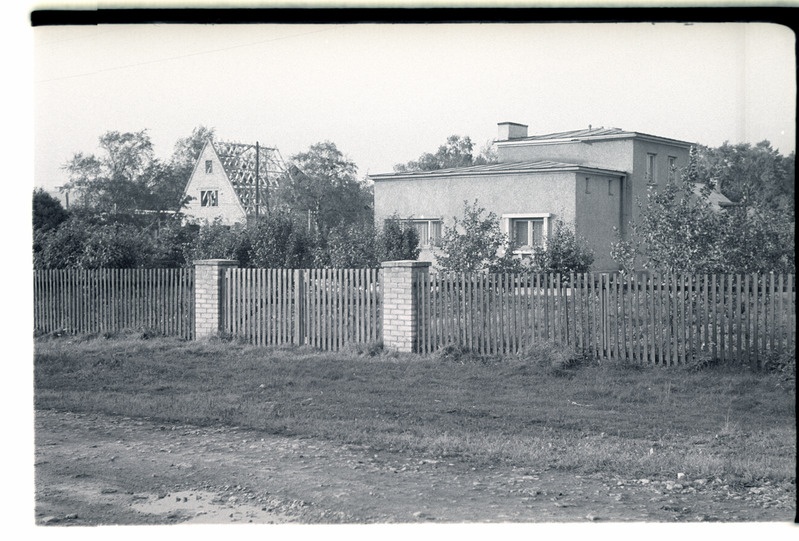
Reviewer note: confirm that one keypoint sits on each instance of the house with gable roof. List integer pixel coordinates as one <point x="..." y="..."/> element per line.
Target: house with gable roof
<point x="230" y="180"/>
<point x="588" y="178"/>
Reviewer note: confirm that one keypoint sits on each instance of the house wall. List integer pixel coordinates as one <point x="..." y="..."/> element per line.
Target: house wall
<point x="613" y="154"/>
<point x="638" y="183"/>
<point x="229" y="209"/>
<point x="628" y="155"/>
<point x="599" y="210"/>
<point x="443" y="197"/>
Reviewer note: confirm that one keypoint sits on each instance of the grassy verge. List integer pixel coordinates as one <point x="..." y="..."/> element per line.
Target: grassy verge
<point x="632" y="423"/>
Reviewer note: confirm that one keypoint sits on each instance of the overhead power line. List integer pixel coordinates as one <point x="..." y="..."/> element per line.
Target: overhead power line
<point x="167" y="59"/>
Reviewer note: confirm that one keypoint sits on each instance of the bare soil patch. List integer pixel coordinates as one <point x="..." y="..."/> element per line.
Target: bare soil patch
<point x="94" y="469"/>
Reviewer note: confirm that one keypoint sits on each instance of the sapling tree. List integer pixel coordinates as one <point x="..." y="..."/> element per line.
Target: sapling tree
<point x="476" y="242"/>
<point x="680" y="231"/>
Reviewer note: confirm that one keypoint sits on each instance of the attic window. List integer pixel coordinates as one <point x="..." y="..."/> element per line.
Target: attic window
<point x="209" y="198"/>
<point x="209" y="166"/>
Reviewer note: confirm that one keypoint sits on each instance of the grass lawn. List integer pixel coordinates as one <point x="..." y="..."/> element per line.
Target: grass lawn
<point x="628" y="422"/>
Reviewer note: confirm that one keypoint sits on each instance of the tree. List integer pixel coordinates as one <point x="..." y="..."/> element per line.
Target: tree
<point x="476" y="243"/>
<point x="398" y="241"/>
<point x="456" y="152"/>
<point x="48" y="213"/>
<point x="565" y="252"/>
<point x="322" y="182"/>
<point x="174" y="175"/>
<point x="277" y="241"/>
<point x="126" y="177"/>
<point x="117" y="179"/>
<point x="187" y="150"/>
<point x="749" y="174"/>
<point x="352" y="247"/>
<point x="679" y="231"/>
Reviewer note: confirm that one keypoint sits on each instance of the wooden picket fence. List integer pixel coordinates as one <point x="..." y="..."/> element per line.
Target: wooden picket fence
<point x="648" y="319"/>
<point x="323" y="308"/>
<point x="112" y="300"/>
<point x="642" y="318"/>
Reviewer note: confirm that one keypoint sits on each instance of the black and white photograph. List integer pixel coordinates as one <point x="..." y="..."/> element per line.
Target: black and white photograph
<point x="328" y="269"/>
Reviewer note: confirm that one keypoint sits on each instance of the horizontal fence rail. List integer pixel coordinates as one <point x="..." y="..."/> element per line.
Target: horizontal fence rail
<point x="113" y="300"/>
<point x="323" y="308"/>
<point x="643" y="318"/>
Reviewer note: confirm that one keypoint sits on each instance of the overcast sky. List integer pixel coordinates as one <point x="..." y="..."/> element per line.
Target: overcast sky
<point x="384" y="94"/>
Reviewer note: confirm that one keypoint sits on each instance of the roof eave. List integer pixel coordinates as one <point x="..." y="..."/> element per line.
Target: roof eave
<point x="434" y="174"/>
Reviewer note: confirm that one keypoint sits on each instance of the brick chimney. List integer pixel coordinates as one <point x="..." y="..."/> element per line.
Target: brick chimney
<point x="511" y="130"/>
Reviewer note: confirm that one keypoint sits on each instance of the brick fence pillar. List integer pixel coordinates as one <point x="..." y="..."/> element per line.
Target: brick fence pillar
<point x="399" y="302"/>
<point x="209" y="296"/>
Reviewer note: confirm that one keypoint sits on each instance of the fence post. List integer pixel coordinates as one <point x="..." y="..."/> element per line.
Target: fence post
<point x="209" y="296"/>
<point x="299" y="308"/>
<point x="399" y="304"/>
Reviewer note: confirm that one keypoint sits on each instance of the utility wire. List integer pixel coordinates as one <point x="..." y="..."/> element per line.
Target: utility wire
<point x="199" y="53"/>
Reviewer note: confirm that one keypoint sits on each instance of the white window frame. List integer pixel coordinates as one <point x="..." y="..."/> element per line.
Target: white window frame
<point x="212" y="202"/>
<point x="430" y="241"/>
<point x="651" y="168"/>
<point x="507" y="221"/>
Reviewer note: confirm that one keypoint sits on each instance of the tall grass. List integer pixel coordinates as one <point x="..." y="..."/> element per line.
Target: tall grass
<point x="541" y="412"/>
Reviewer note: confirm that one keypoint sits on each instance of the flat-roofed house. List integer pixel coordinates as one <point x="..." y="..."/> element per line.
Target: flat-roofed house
<point x="587" y="178"/>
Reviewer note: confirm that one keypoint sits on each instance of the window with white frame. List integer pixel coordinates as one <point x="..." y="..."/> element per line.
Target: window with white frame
<point x="650" y="169"/>
<point x="429" y="231"/>
<point x="209" y="198"/>
<point x="526" y="231"/>
<point x="209" y="166"/>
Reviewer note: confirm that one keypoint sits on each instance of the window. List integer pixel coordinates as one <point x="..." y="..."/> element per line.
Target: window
<point x="209" y="198"/>
<point x="650" y="169"/>
<point x="429" y="231"/>
<point x="527" y="233"/>
<point x="610" y="186"/>
<point x="587" y="186"/>
<point x="672" y="168"/>
<point x="209" y="166"/>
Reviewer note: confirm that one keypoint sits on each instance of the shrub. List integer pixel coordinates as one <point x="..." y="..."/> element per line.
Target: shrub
<point x="565" y="252"/>
<point x="397" y="241"/>
<point x="364" y="349"/>
<point x="353" y="246"/>
<point x="456" y="353"/>
<point x="86" y="245"/>
<point x="219" y="241"/>
<point x="475" y="243"/>
<point x="276" y="241"/>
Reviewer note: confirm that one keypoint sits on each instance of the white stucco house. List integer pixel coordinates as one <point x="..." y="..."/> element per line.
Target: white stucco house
<point x="588" y="178"/>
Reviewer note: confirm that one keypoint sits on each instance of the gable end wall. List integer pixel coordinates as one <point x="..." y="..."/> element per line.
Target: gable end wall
<point x="229" y="209"/>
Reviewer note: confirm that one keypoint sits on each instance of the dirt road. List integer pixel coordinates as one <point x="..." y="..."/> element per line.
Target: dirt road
<point x="94" y="469"/>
